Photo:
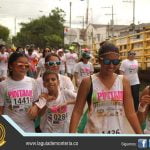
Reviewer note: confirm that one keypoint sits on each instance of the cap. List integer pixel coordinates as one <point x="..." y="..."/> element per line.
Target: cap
<point x="86" y="55"/>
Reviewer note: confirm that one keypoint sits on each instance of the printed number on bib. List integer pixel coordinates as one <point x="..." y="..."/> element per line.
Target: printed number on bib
<point x="57" y="118"/>
<point x="21" y="101"/>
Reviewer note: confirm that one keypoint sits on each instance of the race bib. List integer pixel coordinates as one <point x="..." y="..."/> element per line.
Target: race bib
<point x="110" y="113"/>
<point x="57" y="115"/>
<point x="21" y="103"/>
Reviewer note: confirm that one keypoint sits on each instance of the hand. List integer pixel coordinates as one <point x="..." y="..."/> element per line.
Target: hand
<point x="33" y="112"/>
<point x="145" y="100"/>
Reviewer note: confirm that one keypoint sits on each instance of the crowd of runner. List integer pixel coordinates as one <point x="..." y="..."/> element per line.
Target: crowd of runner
<point x="47" y="91"/>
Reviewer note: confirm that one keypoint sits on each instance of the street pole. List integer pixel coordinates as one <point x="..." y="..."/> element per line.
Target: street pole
<point x="70" y="23"/>
<point x="134" y="13"/>
<point x="112" y="21"/>
<point x="15" y="26"/>
<point x="87" y="13"/>
<point x="70" y="14"/>
<point x="133" y="20"/>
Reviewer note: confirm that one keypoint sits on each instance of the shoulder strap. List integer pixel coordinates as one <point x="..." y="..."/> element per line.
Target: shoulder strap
<point x="89" y="95"/>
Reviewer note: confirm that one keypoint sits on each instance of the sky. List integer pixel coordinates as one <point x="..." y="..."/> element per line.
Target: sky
<point x="12" y="12"/>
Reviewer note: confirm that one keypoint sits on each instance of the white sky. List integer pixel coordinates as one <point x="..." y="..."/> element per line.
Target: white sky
<point x="25" y="10"/>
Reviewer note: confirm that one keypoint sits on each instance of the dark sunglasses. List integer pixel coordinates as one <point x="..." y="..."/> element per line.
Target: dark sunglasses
<point x="52" y="63"/>
<point x="110" y="61"/>
<point x="132" y="54"/>
<point x="20" y="65"/>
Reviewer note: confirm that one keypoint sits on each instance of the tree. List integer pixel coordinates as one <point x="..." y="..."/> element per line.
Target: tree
<point x="4" y="33"/>
<point x="45" y="31"/>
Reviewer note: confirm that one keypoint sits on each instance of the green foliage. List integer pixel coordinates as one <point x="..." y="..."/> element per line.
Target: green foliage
<point x="43" y="31"/>
<point x="4" y="33"/>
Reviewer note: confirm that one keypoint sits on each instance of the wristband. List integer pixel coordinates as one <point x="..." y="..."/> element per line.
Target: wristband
<point x="142" y="108"/>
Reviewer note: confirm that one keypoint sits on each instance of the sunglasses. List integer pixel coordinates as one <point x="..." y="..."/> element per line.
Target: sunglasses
<point x="52" y="63"/>
<point x="110" y="61"/>
<point x="20" y="65"/>
<point x="132" y="54"/>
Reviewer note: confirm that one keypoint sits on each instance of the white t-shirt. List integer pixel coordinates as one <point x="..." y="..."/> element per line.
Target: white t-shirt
<point x="130" y="69"/>
<point x="17" y="97"/>
<point x="71" y="58"/>
<point x="40" y="65"/>
<point x="3" y="63"/>
<point x="63" y="61"/>
<point x="83" y="70"/>
<point x="65" y="83"/>
<point x="55" y="118"/>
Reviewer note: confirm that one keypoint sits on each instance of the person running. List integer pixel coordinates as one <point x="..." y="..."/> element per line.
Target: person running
<point x="144" y="110"/>
<point x="33" y="59"/>
<point x="63" y="61"/>
<point x="41" y="63"/>
<point x="52" y="63"/>
<point x="71" y="60"/>
<point x="111" y="109"/>
<point x="18" y="92"/>
<point x="56" y="102"/>
<point x="129" y="67"/>
<point x="83" y="69"/>
<point x="3" y="62"/>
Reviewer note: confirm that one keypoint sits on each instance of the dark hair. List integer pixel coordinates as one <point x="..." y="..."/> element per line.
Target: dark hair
<point x="130" y="52"/>
<point x="12" y="58"/>
<point x="108" y="47"/>
<point x="50" y="55"/>
<point x="44" y="51"/>
<point x="47" y="72"/>
<point x="1" y="46"/>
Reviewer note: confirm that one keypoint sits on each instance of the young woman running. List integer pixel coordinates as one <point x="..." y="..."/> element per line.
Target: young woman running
<point x="111" y="109"/>
<point x="18" y="92"/>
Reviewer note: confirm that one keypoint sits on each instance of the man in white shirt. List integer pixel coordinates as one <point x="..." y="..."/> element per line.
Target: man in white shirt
<point x="83" y="68"/>
<point x="129" y="67"/>
<point x="71" y="60"/>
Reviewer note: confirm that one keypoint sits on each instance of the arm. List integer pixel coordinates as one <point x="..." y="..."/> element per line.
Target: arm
<point x="3" y="93"/>
<point x="38" y="72"/>
<point x="39" y="107"/>
<point x="121" y="72"/>
<point x="144" y="102"/>
<point x="129" y="107"/>
<point x="70" y="97"/>
<point x="79" y="105"/>
<point x="122" y="68"/>
<point x="76" y="77"/>
<point x="76" y="74"/>
<point x="1" y="110"/>
<point x="33" y="112"/>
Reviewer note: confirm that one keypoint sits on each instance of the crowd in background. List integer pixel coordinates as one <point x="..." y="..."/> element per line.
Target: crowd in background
<point x="39" y="90"/>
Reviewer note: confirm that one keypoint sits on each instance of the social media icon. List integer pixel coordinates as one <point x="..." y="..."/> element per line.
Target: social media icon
<point x="142" y="143"/>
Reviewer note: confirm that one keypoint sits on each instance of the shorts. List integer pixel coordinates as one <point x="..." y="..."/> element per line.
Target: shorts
<point x="70" y="69"/>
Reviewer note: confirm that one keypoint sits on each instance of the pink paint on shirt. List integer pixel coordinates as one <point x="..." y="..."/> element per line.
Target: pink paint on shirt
<point x="117" y="95"/>
<point x="20" y="93"/>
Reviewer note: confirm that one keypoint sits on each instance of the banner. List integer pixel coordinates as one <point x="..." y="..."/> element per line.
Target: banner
<point x="13" y="138"/>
